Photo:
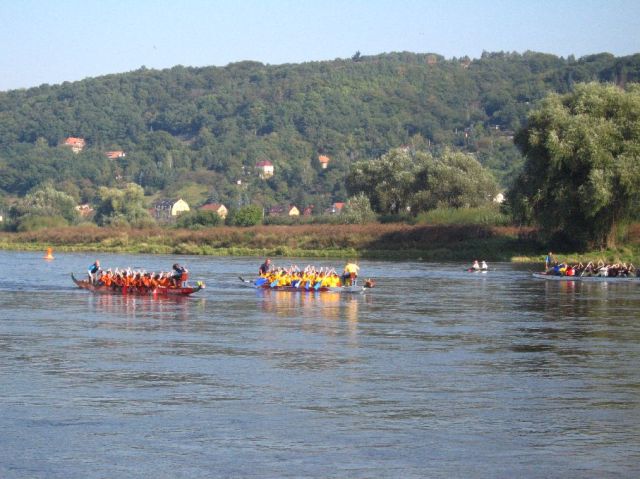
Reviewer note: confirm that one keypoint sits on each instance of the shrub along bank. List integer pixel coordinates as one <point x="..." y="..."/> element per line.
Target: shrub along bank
<point x="383" y="241"/>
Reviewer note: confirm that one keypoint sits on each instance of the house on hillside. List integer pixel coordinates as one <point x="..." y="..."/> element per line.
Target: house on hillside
<point x="265" y="169"/>
<point x="280" y="210"/>
<point x="167" y="210"/>
<point x="324" y="161"/>
<point x="114" y="155"/>
<point x="76" y="144"/>
<point x="220" y="209"/>
<point x="335" y="208"/>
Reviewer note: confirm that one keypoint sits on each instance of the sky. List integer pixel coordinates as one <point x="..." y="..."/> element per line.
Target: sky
<point x="53" y="41"/>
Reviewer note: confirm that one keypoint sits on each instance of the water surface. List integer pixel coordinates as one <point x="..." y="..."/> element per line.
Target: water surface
<point x="435" y="373"/>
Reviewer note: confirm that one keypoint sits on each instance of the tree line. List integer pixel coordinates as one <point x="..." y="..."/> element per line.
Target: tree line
<point x="403" y="131"/>
<point x="210" y="125"/>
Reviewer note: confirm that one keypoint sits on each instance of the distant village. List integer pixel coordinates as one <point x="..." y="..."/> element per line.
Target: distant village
<point x="167" y="210"/>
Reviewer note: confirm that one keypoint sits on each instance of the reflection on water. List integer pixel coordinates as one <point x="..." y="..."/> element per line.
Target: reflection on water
<point x="435" y="372"/>
<point x="143" y="307"/>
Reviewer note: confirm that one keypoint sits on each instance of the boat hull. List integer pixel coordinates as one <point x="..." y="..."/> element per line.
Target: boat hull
<point x="134" y="291"/>
<point x="594" y="279"/>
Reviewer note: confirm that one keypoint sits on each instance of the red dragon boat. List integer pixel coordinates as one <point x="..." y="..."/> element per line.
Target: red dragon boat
<point x="162" y="291"/>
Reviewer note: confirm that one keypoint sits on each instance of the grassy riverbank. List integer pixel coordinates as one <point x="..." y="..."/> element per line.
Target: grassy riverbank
<point x="376" y="241"/>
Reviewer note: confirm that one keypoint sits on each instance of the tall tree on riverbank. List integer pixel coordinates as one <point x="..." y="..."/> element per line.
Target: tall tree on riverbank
<point x="582" y="170"/>
<point x="419" y="181"/>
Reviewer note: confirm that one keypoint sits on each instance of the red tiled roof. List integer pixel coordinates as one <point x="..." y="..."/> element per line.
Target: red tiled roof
<point x="74" y="141"/>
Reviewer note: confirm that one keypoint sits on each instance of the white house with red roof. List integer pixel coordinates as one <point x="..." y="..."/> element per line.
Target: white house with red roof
<point x="218" y="208"/>
<point x="76" y="144"/>
<point x="265" y="169"/>
<point x="324" y="161"/>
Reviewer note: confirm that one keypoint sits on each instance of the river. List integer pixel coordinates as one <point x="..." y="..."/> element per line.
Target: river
<point x="435" y="372"/>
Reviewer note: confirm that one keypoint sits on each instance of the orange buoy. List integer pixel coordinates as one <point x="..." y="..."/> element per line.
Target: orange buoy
<point x="49" y="254"/>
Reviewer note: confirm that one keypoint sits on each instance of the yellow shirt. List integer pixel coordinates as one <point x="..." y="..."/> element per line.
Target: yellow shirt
<point x="351" y="268"/>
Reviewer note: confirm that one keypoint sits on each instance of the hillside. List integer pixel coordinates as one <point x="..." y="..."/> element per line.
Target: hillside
<point x="199" y="132"/>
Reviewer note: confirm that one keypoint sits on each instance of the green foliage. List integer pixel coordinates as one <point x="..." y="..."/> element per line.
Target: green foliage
<point x="250" y="215"/>
<point x="122" y="207"/>
<point x="582" y="171"/>
<point x="209" y="126"/>
<point x="37" y="222"/>
<point x="197" y="132"/>
<point x="485" y="216"/>
<point x="33" y="211"/>
<point x="419" y="181"/>
<point x="198" y="219"/>
<point x="357" y="210"/>
<point x="453" y="179"/>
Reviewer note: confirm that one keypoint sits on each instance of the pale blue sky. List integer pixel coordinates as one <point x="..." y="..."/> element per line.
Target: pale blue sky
<point x="47" y="41"/>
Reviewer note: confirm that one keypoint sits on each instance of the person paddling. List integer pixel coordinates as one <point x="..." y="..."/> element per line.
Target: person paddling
<point x="179" y="275"/>
<point x="93" y="271"/>
<point x="549" y="261"/>
<point x="350" y="273"/>
<point x="264" y="267"/>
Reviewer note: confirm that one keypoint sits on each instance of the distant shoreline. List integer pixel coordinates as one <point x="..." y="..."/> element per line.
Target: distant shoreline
<point x="373" y="241"/>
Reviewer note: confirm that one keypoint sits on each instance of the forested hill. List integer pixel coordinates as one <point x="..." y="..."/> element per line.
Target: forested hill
<point x="199" y="132"/>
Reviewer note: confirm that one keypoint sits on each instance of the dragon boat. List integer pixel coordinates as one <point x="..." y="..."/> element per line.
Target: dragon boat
<point x="609" y="279"/>
<point x="263" y="283"/>
<point x="162" y="291"/>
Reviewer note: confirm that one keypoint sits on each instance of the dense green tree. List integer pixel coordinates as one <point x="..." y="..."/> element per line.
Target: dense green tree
<point x="403" y="180"/>
<point x="225" y="119"/>
<point x="357" y="210"/>
<point x="582" y="170"/>
<point x="198" y="219"/>
<point x="42" y="207"/>
<point x="249" y="215"/>
<point x="452" y="180"/>
<point x="122" y="207"/>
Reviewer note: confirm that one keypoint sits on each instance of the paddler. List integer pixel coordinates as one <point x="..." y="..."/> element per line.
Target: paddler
<point x="350" y="273"/>
<point x="179" y="275"/>
<point x="264" y="267"/>
<point x="93" y="271"/>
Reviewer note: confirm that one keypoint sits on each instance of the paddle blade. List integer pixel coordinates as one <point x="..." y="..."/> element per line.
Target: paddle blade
<point x="260" y="281"/>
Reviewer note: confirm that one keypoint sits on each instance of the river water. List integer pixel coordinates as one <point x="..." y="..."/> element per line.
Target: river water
<point x="434" y="373"/>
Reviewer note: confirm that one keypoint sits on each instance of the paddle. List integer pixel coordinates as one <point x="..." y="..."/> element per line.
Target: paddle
<point x="274" y="283"/>
<point x="260" y="281"/>
<point x="317" y="285"/>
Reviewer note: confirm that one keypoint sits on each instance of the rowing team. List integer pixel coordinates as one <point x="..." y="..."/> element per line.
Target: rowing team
<point x="310" y="276"/>
<point x="138" y="279"/>
<point x="601" y="269"/>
